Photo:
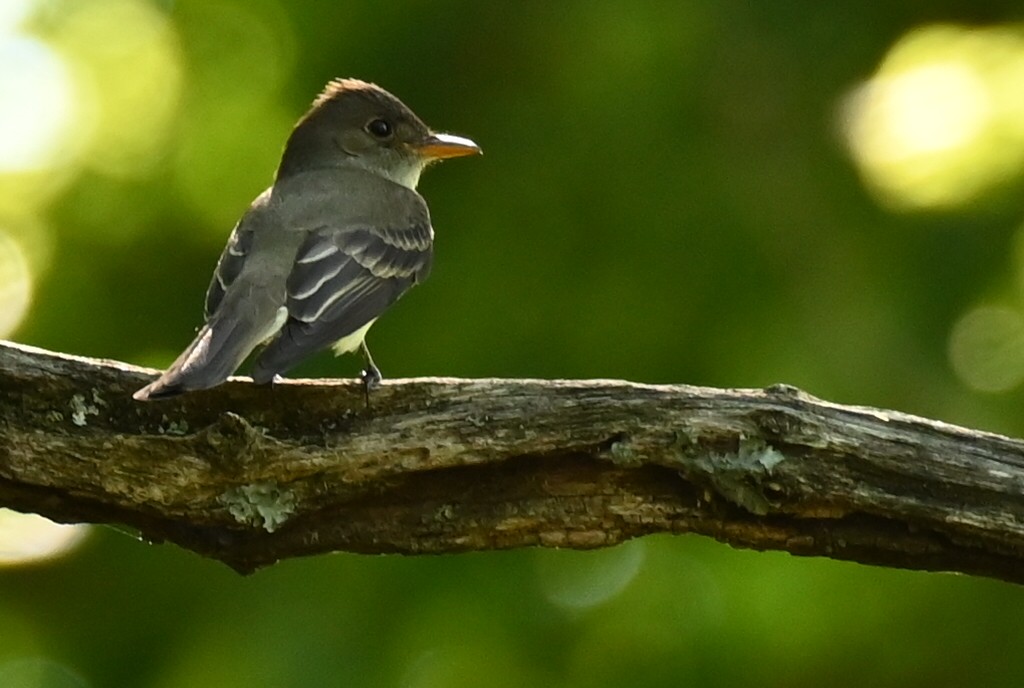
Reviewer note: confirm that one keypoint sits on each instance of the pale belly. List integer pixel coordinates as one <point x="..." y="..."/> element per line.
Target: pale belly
<point x="351" y="342"/>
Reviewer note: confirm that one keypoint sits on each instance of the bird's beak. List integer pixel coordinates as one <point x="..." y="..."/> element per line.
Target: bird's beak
<point x="441" y="146"/>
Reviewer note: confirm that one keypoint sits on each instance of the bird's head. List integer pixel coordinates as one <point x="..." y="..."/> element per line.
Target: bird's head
<point x="353" y="122"/>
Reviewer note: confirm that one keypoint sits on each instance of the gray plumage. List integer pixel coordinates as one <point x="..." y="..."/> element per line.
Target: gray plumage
<point x="338" y="238"/>
<point x="346" y="273"/>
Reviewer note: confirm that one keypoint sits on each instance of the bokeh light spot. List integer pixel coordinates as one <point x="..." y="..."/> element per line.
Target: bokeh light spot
<point x="986" y="349"/>
<point x="13" y="13"/>
<point x="128" y="73"/>
<point x="29" y="538"/>
<point x="15" y="285"/>
<point x="932" y="108"/>
<point x="939" y="125"/>
<point x="36" y="104"/>
<point x="578" y="580"/>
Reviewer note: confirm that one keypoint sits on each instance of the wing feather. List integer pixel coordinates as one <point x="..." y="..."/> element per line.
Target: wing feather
<point x="229" y="266"/>
<point x="342" y="279"/>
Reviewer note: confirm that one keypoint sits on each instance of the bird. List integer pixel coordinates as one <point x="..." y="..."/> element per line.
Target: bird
<point x="337" y="238"/>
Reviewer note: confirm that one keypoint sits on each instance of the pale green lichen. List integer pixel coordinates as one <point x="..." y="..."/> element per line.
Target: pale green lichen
<point x="177" y="427"/>
<point x="756" y="451"/>
<point x="621" y="452"/>
<point x="80" y="409"/>
<point x="172" y="427"/>
<point x="263" y="504"/>
<point x="739" y="476"/>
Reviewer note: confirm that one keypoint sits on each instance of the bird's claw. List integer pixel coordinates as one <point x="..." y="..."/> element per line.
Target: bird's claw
<point x="371" y="380"/>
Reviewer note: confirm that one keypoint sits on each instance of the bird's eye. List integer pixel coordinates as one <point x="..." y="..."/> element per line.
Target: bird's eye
<point x="380" y="128"/>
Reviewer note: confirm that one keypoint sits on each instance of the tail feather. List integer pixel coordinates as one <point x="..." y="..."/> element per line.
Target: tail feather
<point x="213" y="355"/>
<point x="158" y="389"/>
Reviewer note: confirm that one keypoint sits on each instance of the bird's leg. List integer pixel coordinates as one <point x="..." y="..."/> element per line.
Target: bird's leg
<point x="371" y="374"/>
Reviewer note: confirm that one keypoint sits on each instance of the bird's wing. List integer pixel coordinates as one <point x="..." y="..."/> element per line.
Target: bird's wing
<point x="229" y="266"/>
<point x="345" y="276"/>
<point x="342" y="279"/>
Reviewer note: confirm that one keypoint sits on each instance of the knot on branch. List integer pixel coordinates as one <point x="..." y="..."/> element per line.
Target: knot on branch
<point x="235" y="440"/>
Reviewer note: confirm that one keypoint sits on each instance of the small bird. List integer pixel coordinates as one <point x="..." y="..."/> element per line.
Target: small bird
<point x="321" y="254"/>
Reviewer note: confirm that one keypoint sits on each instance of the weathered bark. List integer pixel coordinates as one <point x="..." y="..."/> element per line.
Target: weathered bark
<point x="250" y="475"/>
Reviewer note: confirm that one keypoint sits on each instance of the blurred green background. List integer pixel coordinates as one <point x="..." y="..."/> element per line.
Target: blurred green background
<point x="720" y="193"/>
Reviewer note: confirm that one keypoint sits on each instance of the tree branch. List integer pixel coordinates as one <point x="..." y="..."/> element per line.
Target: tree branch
<point x="250" y="475"/>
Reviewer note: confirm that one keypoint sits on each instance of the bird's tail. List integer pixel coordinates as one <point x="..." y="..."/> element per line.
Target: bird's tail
<point x="216" y="352"/>
<point x="206" y="362"/>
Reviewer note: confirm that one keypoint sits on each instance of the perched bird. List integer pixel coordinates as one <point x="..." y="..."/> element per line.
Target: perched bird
<point x="323" y="252"/>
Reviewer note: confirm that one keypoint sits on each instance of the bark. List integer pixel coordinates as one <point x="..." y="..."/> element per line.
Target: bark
<point x="250" y="475"/>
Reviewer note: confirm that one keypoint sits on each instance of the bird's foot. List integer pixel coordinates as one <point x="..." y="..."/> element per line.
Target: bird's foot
<point x="371" y="380"/>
